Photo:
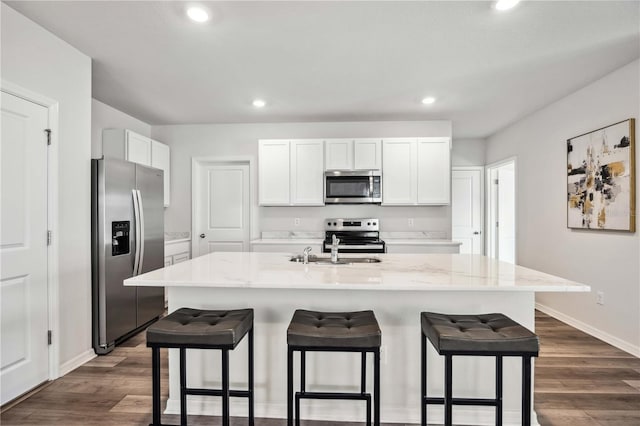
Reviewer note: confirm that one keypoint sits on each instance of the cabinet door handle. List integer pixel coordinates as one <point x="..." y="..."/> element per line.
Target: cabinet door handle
<point x="476" y="233"/>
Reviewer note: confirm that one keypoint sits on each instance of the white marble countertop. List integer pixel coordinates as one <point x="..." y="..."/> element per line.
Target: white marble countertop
<point x="397" y="272"/>
<point x="288" y="241"/>
<point x="421" y="242"/>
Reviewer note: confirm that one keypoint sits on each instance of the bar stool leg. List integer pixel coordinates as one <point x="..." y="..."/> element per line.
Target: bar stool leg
<point x="183" y="387"/>
<point x="303" y="384"/>
<point x="448" y="384"/>
<point x="251" y="412"/>
<point x="376" y="387"/>
<point x="499" y="390"/>
<point x="289" y="386"/>
<point x="526" y="390"/>
<point x="423" y="380"/>
<point x="225" y="387"/>
<point x="155" y="378"/>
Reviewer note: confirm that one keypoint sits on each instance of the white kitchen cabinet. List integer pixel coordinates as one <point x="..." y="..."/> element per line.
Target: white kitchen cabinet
<point x="290" y="172"/>
<point x="399" y="171"/>
<point x="307" y="178"/>
<point x="176" y="252"/>
<point x="421" y="247"/>
<point x="367" y="154"/>
<point x="273" y="172"/>
<point x="434" y="171"/>
<point x="353" y="154"/>
<point x="338" y="154"/>
<point x="417" y="171"/>
<point x="290" y="246"/>
<point x="131" y="146"/>
<point x="161" y="159"/>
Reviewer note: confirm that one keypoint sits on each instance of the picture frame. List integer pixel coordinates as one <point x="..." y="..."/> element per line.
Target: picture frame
<point x="601" y="178"/>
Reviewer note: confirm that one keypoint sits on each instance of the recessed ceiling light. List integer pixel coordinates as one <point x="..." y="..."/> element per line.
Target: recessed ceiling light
<point x="259" y="103"/>
<point x="428" y="100"/>
<point x="198" y="14"/>
<point x="506" y="4"/>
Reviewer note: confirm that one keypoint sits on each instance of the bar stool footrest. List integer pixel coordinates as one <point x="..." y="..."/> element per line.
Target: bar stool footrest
<point x="463" y="401"/>
<point x="334" y="395"/>
<point x="218" y="392"/>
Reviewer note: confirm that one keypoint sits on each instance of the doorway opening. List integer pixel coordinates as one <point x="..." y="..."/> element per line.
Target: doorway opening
<point x="501" y="210"/>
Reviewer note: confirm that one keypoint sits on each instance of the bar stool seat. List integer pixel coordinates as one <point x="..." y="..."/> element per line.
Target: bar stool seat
<point x="476" y="335"/>
<point x="188" y="328"/>
<point x="335" y="329"/>
<point x="334" y="332"/>
<point x="201" y="328"/>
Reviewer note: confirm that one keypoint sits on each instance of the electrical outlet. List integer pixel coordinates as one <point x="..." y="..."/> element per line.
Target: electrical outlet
<point x="296" y="221"/>
<point x="600" y="298"/>
<point x="410" y="221"/>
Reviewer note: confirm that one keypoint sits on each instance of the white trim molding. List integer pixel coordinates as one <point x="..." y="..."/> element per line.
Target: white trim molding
<point x="77" y="361"/>
<point x="590" y="330"/>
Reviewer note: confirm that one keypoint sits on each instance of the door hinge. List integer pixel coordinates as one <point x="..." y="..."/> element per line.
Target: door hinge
<point x="48" y="132"/>
<point x="495" y="181"/>
<point x="49" y="337"/>
<point x="49" y="237"/>
<point x="496" y="224"/>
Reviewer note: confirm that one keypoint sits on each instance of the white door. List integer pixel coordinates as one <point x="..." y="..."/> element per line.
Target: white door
<point x="367" y="154"/>
<point x="23" y="247"/>
<point x="501" y="211"/>
<point x="466" y="209"/>
<point x="223" y="208"/>
<point x="399" y="167"/>
<point x="307" y="167"/>
<point x="273" y="173"/>
<point x="434" y="170"/>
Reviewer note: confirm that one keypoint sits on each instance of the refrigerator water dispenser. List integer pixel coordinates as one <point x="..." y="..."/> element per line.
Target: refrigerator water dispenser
<point x="120" y="238"/>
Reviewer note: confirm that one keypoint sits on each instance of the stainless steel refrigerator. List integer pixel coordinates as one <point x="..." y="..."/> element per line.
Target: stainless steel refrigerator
<point x="127" y="240"/>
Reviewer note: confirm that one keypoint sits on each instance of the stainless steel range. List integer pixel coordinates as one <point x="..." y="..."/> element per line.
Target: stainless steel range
<point x="355" y="235"/>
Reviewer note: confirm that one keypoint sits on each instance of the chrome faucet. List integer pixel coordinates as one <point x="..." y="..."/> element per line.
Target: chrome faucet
<point x="305" y="255"/>
<point x="334" y="249"/>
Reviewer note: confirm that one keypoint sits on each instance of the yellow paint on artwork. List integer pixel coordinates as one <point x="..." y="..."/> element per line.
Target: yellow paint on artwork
<point x="616" y="169"/>
<point x="602" y="218"/>
<point x="589" y="181"/>
<point x="587" y="206"/>
<point x="574" y="201"/>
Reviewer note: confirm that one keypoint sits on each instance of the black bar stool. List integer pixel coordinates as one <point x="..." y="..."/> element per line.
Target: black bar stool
<point x="477" y="335"/>
<point x="201" y="329"/>
<point x="334" y="332"/>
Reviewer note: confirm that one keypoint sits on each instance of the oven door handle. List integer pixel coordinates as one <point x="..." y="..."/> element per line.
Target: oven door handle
<point x="371" y="186"/>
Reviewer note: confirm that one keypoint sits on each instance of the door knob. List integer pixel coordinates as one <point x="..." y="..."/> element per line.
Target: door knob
<point x="475" y="233"/>
<point x="202" y="235"/>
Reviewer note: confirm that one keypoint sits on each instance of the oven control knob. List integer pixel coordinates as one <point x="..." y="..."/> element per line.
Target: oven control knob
<point x="334" y="224"/>
<point x="328" y="223"/>
<point x="374" y="224"/>
<point x="369" y="223"/>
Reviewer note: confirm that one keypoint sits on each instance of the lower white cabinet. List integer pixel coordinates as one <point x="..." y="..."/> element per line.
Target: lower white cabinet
<point x="291" y="247"/>
<point x="420" y="248"/>
<point x="176" y="252"/>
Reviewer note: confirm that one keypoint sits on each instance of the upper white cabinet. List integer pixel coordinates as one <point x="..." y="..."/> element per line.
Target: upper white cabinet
<point x="353" y="154"/>
<point x="273" y="172"/>
<point x="307" y="172"/>
<point x="290" y="172"/>
<point x="131" y="146"/>
<point x="416" y="171"/>
<point x="161" y="159"/>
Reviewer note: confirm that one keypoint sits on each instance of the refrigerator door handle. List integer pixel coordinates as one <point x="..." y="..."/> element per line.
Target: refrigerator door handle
<point x="141" y="213"/>
<point x="136" y="216"/>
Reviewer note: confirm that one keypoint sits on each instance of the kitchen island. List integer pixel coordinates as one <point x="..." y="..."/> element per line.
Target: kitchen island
<point x="397" y="289"/>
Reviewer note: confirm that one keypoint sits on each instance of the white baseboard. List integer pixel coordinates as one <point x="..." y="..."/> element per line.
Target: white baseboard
<point x="76" y="362"/>
<point x="599" y="334"/>
<point x="327" y="411"/>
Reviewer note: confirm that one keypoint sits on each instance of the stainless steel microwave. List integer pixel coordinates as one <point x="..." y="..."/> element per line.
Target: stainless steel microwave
<point x="353" y="187"/>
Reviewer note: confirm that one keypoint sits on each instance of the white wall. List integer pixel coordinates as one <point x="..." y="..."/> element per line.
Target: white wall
<point x="468" y="152"/>
<point x="187" y="141"/>
<point x="42" y="63"/>
<point x="104" y="116"/>
<point x="608" y="261"/>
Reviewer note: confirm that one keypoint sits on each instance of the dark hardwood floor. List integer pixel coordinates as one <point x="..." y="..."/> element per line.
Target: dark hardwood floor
<point x="579" y="380"/>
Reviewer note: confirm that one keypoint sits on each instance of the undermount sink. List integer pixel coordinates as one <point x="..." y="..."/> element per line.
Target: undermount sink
<point x="341" y="261"/>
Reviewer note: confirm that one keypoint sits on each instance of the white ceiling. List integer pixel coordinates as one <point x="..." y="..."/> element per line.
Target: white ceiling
<point x="343" y="61"/>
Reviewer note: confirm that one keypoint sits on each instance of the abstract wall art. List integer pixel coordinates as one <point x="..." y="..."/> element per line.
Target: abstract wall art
<point x="601" y="178"/>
